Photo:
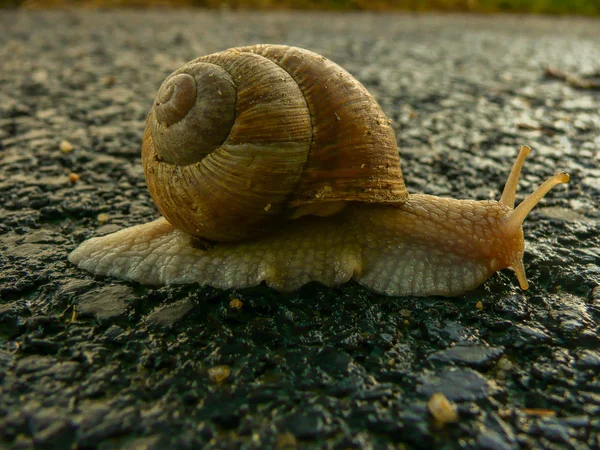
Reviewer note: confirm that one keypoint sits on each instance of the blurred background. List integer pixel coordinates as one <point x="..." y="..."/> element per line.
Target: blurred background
<point x="579" y="7"/>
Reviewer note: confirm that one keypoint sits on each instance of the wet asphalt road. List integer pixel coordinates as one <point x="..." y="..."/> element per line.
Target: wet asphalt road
<point x="321" y="368"/>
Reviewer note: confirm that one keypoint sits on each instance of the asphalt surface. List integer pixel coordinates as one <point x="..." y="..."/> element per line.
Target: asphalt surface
<point x="89" y="362"/>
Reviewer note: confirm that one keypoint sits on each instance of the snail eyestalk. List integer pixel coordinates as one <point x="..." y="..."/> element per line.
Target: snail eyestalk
<point x="516" y="218"/>
<point x="519" y="269"/>
<point x="510" y="189"/>
<point x="519" y="214"/>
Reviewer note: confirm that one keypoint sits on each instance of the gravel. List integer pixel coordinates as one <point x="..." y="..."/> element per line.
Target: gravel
<point x="90" y="362"/>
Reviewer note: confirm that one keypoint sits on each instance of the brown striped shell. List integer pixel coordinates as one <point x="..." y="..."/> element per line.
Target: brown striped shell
<point x="239" y="141"/>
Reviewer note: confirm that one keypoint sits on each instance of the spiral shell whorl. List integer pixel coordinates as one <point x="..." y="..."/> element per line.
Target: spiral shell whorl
<point x="193" y="113"/>
<point x="175" y="98"/>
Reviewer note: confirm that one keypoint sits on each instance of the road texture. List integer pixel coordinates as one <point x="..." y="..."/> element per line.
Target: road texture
<point x="91" y="362"/>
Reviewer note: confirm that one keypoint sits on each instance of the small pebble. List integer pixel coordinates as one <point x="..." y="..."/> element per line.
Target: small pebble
<point x="219" y="374"/>
<point x="236" y="303"/>
<point x="505" y="364"/>
<point x="109" y="80"/>
<point x="442" y="410"/>
<point x="65" y="146"/>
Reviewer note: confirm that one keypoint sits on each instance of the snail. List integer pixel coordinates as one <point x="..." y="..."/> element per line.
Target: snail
<point x="273" y="164"/>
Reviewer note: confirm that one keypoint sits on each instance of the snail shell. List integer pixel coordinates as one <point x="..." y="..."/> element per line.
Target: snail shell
<point x="241" y="140"/>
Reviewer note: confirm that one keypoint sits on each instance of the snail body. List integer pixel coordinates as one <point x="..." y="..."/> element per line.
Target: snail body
<point x="287" y="169"/>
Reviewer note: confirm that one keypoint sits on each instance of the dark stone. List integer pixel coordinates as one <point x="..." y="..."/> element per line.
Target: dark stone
<point x="311" y="424"/>
<point x="41" y="321"/>
<point x="108" y="303"/>
<point x="332" y="361"/>
<point x="38" y="251"/>
<point x="514" y="308"/>
<point x="501" y="430"/>
<point x="552" y="430"/>
<point x="380" y="392"/>
<point x="114" y="423"/>
<point x="31" y="364"/>
<point x="113" y="333"/>
<point x="39" y="346"/>
<point x="416" y="420"/>
<point x="571" y="313"/>
<point x="577" y="421"/>
<point x="10" y="321"/>
<point x="50" y="428"/>
<point x="76" y="286"/>
<point x="455" y="384"/>
<point x="385" y="425"/>
<point x="531" y="335"/>
<point x="65" y="370"/>
<point x="478" y="357"/>
<point x="490" y="440"/>
<point x="170" y="314"/>
<point x="90" y="414"/>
